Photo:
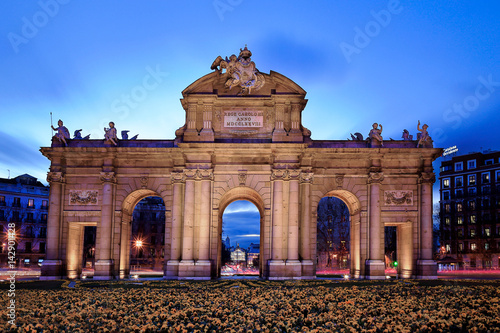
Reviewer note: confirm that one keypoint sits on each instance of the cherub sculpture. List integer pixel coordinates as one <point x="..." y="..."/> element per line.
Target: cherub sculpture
<point x="406" y="135"/>
<point x="424" y="138"/>
<point x="375" y="134"/>
<point x="62" y="132"/>
<point x="110" y="133"/>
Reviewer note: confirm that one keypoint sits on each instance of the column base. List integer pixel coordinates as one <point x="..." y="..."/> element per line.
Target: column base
<point x="375" y="270"/>
<point x="51" y="270"/>
<point x="103" y="269"/>
<point x="293" y="269"/>
<point x="203" y="269"/>
<point x="186" y="269"/>
<point x="308" y="269"/>
<point x="171" y="270"/>
<point x="426" y="269"/>
<point x="277" y="270"/>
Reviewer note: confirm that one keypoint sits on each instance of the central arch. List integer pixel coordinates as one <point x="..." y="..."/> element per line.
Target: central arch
<point x="240" y="193"/>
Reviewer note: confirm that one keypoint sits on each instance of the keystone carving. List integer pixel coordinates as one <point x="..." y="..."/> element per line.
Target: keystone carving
<point x="144" y="181"/>
<point x="339" y="181"/>
<point x="242" y="178"/>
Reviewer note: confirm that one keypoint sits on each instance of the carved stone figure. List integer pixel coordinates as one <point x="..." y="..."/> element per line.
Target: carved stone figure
<point x="110" y="133"/>
<point x="62" y="132"/>
<point x="424" y="138"/>
<point x="125" y="135"/>
<point x="375" y="135"/>
<point x="77" y="135"/>
<point x="406" y="135"/>
<point x="240" y="71"/>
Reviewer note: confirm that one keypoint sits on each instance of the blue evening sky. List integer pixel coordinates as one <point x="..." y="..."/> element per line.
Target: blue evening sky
<point x="391" y="62"/>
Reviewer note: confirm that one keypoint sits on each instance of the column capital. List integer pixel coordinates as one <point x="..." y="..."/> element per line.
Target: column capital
<point x="279" y="174"/>
<point x="56" y="177"/>
<point x="306" y="177"/>
<point x="178" y="177"/>
<point x="427" y="178"/>
<point x="375" y="177"/>
<point x="107" y="177"/>
<point x="198" y="174"/>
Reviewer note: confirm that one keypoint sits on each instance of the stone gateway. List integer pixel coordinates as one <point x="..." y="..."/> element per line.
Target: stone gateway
<point x="243" y="140"/>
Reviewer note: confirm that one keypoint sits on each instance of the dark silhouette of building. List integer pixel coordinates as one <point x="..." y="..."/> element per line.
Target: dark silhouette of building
<point x="470" y="210"/>
<point x="24" y="203"/>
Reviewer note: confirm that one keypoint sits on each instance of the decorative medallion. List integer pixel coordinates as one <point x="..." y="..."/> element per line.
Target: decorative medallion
<point x="83" y="197"/>
<point x="398" y="198"/>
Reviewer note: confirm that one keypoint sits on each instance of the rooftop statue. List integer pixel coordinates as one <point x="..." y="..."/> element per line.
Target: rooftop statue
<point x="110" y="133"/>
<point x="241" y="72"/>
<point x="424" y="140"/>
<point x="375" y="135"/>
<point x="78" y="135"/>
<point x="406" y="135"/>
<point x="62" y="132"/>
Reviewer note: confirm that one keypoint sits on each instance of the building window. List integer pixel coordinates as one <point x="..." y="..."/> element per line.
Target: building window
<point x="41" y="248"/>
<point x="29" y="217"/>
<point x="489" y="162"/>
<point x="460" y="233"/>
<point x="472" y="179"/>
<point x="2" y="215"/>
<point x="487" y="232"/>
<point x="472" y="233"/>
<point x="15" y="217"/>
<point x="497" y="176"/>
<point x="447" y="208"/>
<point x="459" y="166"/>
<point x="486" y="246"/>
<point x="486" y="190"/>
<point x="471" y="164"/>
<point x="447" y="220"/>
<point x="28" y="247"/>
<point x="485" y="177"/>
<point x="43" y="232"/>
<point x="2" y="200"/>
<point x="31" y="203"/>
<point x="459" y="207"/>
<point x="446" y="195"/>
<point x="485" y="203"/>
<point x="472" y="219"/>
<point x="459" y="193"/>
<point x="16" y="202"/>
<point x="472" y="205"/>
<point x="448" y="248"/>
<point x="459" y="181"/>
<point x="472" y="190"/>
<point x="473" y="246"/>
<point x="460" y="247"/>
<point x="446" y="183"/>
<point x="44" y="217"/>
<point x="460" y="220"/>
<point x="45" y="204"/>
<point x="445" y="168"/>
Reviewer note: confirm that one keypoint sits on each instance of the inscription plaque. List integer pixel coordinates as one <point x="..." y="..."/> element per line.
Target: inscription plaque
<point x="243" y="119"/>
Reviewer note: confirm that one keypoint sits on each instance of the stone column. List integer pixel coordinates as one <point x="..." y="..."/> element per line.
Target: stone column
<point x="74" y="260"/>
<point x="426" y="267"/>
<point x="124" y="246"/>
<point x="52" y="265"/>
<point x="405" y="247"/>
<point x="207" y="133"/>
<point x="276" y="264"/>
<point x="375" y="266"/>
<point x="178" y="180"/>
<point x="203" y="266"/>
<point x="293" y="266"/>
<point x="186" y="266"/>
<point x="306" y="179"/>
<point x="104" y="263"/>
<point x="279" y="133"/>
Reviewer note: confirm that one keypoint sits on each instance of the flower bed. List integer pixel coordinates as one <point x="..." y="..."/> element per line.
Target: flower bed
<point x="254" y="306"/>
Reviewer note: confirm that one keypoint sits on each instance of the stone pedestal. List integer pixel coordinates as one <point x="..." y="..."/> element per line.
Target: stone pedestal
<point x="51" y="270"/>
<point x="103" y="269"/>
<point x="426" y="269"/>
<point x="172" y="269"/>
<point x="375" y="269"/>
<point x="293" y="269"/>
<point x="308" y="269"/>
<point x="186" y="269"/>
<point x="202" y="269"/>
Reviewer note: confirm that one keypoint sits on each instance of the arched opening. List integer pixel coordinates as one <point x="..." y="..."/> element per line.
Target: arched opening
<point x="333" y="238"/>
<point x="147" y="237"/>
<point x="248" y="206"/>
<point x="240" y="242"/>
<point x="391" y="250"/>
